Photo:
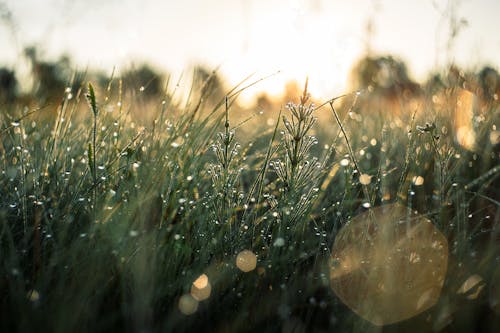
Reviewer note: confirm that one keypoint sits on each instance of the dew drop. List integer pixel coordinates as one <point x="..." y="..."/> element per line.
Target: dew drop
<point x="344" y="162"/>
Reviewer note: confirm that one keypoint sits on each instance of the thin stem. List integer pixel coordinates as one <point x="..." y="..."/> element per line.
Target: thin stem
<point x="226" y="159"/>
<point x="441" y="169"/>
<point x="351" y="152"/>
<point x="94" y="172"/>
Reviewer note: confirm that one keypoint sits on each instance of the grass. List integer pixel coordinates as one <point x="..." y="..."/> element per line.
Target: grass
<point x="106" y="219"/>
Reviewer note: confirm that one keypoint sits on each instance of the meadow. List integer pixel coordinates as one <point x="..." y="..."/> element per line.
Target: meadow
<point x="123" y="211"/>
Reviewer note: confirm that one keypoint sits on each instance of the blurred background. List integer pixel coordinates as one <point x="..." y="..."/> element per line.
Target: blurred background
<point x="321" y="39"/>
<point x="110" y="214"/>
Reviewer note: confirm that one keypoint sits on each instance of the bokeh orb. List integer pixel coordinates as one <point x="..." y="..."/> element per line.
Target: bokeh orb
<point x="188" y="305"/>
<point x="201" y="288"/>
<point x="246" y="261"/>
<point x="388" y="264"/>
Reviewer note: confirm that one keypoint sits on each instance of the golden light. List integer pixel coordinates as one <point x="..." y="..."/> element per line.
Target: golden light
<point x="388" y="264"/>
<point x="494" y="137"/>
<point x="365" y="179"/>
<point x="464" y="114"/>
<point x="418" y="180"/>
<point x="201" y="288"/>
<point x="297" y="43"/>
<point x="246" y="261"/>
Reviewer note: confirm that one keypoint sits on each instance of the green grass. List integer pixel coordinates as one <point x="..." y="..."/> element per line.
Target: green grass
<point x="106" y="218"/>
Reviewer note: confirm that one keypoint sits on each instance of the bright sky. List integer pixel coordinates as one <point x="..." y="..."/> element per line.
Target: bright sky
<point x="316" y="38"/>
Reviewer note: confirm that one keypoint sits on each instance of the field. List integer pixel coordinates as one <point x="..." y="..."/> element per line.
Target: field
<point x="121" y="211"/>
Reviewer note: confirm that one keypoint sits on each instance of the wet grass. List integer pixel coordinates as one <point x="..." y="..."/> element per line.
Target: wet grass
<point x="106" y="220"/>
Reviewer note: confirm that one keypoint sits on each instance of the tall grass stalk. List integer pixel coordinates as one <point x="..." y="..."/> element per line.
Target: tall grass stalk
<point x="183" y="201"/>
<point x="91" y="98"/>
<point x="297" y="171"/>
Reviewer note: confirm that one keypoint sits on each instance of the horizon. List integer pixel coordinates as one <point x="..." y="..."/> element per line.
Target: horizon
<point x="318" y="39"/>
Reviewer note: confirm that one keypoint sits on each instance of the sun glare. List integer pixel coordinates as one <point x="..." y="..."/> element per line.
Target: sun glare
<point x="294" y="44"/>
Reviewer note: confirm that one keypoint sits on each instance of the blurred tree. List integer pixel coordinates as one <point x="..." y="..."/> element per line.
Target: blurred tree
<point x="384" y="74"/>
<point x="489" y="84"/>
<point x="51" y="78"/>
<point x="145" y="79"/>
<point x="434" y="84"/>
<point x="7" y="18"/>
<point x="386" y="85"/>
<point x="456" y="77"/>
<point x="264" y="102"/>
<point x="208" y="83"/>
<point x="8" y="86"/>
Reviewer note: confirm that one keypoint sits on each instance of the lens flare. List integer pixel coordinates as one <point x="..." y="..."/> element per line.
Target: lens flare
<point x="388" y="264"/>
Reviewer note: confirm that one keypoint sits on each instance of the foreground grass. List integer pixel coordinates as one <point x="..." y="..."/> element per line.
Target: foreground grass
<point x="106" y="222"/>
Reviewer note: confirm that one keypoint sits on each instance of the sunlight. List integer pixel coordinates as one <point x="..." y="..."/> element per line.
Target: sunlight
<point x="464" y="115"/>
<point x="298" y="44"/>
<point x="249" y="165"/>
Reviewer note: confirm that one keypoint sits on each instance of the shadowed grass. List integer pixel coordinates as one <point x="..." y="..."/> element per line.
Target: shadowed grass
<point x="109" y="235"/>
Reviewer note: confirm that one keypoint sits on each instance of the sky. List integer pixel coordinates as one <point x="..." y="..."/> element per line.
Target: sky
<point x="316" y="38"/>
